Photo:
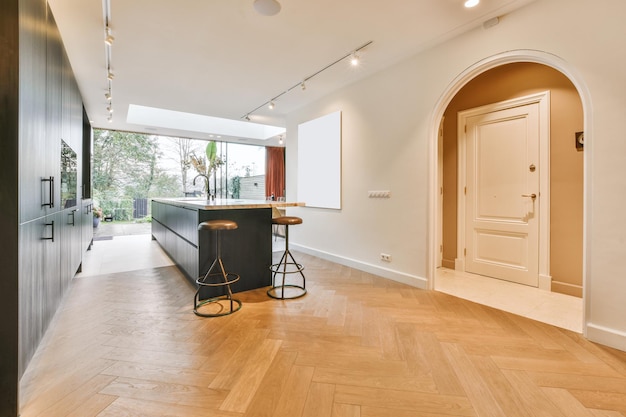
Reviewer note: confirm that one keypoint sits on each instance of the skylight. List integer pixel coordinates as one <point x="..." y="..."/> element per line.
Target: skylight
<point x="170" y="119"/>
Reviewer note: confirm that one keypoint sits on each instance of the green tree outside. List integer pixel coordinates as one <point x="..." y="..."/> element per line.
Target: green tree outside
<point x="125" y="167"/>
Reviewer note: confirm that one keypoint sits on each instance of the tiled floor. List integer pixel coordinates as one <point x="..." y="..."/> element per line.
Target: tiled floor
<point x="138" y="251"/>
<point x="123" y="253"/>
<point x="548" y="307"/>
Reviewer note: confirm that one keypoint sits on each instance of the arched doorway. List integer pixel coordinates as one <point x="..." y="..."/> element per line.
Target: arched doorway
<point x="501" y="78"/>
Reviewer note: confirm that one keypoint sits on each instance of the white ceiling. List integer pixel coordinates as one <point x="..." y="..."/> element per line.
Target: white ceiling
<point x="220" y="58"/>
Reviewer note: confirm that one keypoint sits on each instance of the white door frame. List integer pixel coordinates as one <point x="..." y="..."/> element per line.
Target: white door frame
<point x="508" y="57"/>
<point x="543" y="100"/>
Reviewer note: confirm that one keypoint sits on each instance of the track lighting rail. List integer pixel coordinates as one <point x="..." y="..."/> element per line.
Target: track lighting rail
<point x="304" y="80"/>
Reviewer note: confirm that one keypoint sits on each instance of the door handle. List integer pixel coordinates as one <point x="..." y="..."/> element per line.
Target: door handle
<point x="533" y="195"/>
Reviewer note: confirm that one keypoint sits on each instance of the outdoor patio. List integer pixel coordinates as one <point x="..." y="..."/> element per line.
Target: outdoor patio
<point x="106" y="230"/>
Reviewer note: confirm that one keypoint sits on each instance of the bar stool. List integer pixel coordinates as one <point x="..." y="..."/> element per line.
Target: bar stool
<point x="278" y="291"/>
<point x="221" y="278"/>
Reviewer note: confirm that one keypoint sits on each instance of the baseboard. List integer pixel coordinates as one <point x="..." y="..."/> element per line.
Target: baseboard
<point x="412" y="280"/>
<point x="605" y="336"/>
<point x="567" y="288"/>
<point x="448" y="263"/>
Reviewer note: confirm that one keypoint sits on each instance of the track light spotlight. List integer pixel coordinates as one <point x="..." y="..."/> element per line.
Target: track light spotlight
<point x="107" y="96"/>
<point x="354" y="60"/>
<point x="271" y="105"/>
<point x="108" y="39"/>
<point x="110" y="109"/>
<point x="280" y="139"/>
<point x="303" y="86"/>
<point x="110" y="119"/>
<point x="110" y="76"/>
<point x="247" y="117"/>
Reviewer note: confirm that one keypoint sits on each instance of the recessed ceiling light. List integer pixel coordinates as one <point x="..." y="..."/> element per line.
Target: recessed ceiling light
<point x="267" y="7"/>
<point x="471" y="3"/>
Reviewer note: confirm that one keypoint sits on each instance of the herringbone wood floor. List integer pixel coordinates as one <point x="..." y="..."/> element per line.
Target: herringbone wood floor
<point x="356" y="345"/>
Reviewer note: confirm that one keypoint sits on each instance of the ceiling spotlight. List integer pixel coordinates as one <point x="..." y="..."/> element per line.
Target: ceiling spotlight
<point x="108" y="39"/>
<point x="267" y="7"/>
<point x="354" y="60"/>
<point x="280" y="139"/>
<point x="110" y="109"/>
<point x="471" y="3"/>
<point x="271" y="105"/>
<point x="107" y="96"/>
<point x="110" y="119"/>
<point x="110" y="76"/>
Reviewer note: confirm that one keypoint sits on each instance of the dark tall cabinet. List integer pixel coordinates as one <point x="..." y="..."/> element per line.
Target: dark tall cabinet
<point x="44" y="231"/>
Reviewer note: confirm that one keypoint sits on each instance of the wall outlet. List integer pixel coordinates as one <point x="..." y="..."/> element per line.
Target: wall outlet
<point x="385" y="257"/>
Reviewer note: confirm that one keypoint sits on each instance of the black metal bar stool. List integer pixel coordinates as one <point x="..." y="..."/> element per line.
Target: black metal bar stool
<point x="221" y="278"/>
<point x="293" y="267"/>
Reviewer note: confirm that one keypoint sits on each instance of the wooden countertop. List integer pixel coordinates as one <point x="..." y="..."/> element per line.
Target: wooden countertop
<point x="224" y="204"/>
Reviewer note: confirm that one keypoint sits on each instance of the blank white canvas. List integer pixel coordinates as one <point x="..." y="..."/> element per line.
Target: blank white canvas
<point x="319" y="162"/>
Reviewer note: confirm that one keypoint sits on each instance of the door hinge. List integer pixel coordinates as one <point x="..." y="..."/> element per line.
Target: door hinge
<point x="465" y="128"/>
<point x="465" y="190"/>
<point x="464" y="251"/>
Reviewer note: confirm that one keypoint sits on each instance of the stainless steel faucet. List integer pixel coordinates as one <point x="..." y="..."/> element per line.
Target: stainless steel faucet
<point x="206" y="183"/>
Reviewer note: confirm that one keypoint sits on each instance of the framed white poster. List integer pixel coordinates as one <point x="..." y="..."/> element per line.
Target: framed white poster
<point x="319" y="162"/>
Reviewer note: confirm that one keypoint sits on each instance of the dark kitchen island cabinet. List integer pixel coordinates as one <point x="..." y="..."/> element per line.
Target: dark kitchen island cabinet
<point x="246" y="251"/>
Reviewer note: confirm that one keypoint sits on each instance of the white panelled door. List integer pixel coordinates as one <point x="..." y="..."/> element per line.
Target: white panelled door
<point x="502" y="194"/>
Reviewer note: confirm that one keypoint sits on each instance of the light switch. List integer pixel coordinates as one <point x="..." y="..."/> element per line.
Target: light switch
<point x="379" y="194"/>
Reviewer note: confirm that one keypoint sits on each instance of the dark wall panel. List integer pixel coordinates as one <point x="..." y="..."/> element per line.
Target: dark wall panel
<point x="9" y="215"/>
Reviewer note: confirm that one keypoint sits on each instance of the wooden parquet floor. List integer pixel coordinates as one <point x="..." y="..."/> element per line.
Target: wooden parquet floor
<point x="356" y="345"/>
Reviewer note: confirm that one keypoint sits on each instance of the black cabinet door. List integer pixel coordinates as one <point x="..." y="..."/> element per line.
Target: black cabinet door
<point x="40" y="289"/>
<point x="32" y="112"/>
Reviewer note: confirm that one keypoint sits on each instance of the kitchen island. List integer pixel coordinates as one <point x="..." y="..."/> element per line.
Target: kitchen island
<point x="246" y="251"/>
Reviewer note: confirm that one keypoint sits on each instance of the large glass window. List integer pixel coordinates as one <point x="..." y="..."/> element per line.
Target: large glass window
<point x="242" y="175"/>
<point x="130" y="168"/>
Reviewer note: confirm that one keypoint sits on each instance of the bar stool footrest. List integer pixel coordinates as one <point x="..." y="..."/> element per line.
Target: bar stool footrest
<point x="230" y="279"/>
<point x="293" y="267"/>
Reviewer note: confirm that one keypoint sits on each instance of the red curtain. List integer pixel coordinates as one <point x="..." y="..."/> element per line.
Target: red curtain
<point x="275" y="171"/>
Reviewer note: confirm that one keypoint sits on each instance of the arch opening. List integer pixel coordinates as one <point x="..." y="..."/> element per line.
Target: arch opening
<point x="455" y="87"/>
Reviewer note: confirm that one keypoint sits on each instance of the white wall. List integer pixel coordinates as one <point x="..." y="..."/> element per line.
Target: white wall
<point x="388" y="124"/>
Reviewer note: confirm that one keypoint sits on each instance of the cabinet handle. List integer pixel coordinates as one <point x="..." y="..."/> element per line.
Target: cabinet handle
<point x="73" y="214"/>
<point x="50" y="182"/>
<point x="52" y="225"/>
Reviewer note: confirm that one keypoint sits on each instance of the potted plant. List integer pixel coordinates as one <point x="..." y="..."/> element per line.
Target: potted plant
<point x="207" y="166"/>
<point x="97" y="215"/>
